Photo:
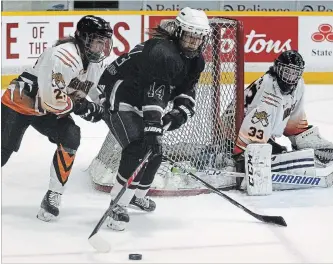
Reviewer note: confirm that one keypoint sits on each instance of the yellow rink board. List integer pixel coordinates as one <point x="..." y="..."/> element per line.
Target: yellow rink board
<point x="227" y="78"/>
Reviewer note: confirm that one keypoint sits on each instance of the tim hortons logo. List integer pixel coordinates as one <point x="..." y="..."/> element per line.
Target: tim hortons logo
<point x="256" y="43"/>
<point x="325" y="33"/>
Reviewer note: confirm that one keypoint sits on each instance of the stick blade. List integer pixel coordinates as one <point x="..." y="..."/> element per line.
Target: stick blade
<point x="99" y="243"/>
<point x="278" y="220"/>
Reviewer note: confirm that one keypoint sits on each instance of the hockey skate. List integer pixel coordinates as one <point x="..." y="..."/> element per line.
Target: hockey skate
<point x="50" y="206"/>
<point x="118" y="218"/>
<point x="145" y="203"/>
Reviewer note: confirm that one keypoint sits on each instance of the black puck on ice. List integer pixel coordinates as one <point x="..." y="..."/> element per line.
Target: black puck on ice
<point x="135" y="256"/>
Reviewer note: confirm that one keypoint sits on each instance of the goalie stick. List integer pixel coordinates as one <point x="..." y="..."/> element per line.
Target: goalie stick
<point x="278" y="220"/>
<point x="96" y="241"/>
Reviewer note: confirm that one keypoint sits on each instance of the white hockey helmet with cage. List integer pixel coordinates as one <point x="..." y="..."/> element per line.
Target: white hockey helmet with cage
<point x="192" y="29"/>
<point x="193" y="21"/>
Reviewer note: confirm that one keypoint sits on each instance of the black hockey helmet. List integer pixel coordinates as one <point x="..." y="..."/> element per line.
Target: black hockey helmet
<point x="289" y="67"/>
<point x="95" y="37"/>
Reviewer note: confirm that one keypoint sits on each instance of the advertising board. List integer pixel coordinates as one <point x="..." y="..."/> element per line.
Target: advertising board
<point x="25" y="35"/>
<point x="264" y="37"/>
<point x="25" y="38"/>
<point x="316" y="42"/>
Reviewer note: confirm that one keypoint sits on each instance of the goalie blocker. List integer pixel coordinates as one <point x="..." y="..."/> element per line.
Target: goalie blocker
<point x="286" y="170"/>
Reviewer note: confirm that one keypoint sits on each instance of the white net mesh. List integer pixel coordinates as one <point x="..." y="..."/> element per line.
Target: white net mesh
<point x="204" y="144"/>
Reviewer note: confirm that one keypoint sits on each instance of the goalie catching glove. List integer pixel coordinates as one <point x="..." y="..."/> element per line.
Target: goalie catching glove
<point x="323" y="149"/>
<point x="88" y="110"/>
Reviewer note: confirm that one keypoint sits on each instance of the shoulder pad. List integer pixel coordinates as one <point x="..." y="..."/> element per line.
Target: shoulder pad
<point x="68" y="54"/>
<point x="200" y="63"/>
<point x="164" y="60"/>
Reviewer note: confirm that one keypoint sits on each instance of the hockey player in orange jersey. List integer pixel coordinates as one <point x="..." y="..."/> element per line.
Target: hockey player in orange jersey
<point x="274" y="106"/>
<point x="44" y="95"/>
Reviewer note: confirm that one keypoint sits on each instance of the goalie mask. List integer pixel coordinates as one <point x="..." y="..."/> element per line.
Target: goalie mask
<point x="289" y="67"/>
<point x="95" y="38"/>
<point x="192" y="31"/>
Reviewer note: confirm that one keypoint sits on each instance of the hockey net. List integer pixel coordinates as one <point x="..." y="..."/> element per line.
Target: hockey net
<point x="204" y="144"/>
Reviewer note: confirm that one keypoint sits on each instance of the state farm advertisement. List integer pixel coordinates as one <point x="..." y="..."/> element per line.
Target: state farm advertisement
<point x="25" y="38"/>
<point x="264" y="37"/>
<point x="316" y="42"/>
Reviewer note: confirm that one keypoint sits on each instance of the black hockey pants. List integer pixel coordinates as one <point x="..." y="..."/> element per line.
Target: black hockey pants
<point x="128" y="129"/>
<point x="62" y="131"/>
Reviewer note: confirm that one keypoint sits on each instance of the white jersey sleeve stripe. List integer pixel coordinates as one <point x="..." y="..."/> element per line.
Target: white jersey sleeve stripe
<point x="72" y="56"/>
<point x="64" y="62"/>
<point x="273" y="95"/>
<point x="69" y="60"/>
<point x="269" y="103"/>
<point x="269" y="98"/>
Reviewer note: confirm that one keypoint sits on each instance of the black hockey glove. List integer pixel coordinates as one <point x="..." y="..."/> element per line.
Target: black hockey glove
<point x="276" y="148"/>
<point x="177" y="117"/>
<point x="240" y="167"/>
<point x="88" y="110"/>
<point x="153" y="139"/>
<point x="239" y="162"/>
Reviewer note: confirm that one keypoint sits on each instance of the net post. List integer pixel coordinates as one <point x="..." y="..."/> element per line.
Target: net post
<point x="216" y="51"/>
<point x="240" y="76"/>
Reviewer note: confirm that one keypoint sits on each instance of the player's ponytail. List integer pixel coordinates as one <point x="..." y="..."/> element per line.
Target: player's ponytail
<point x="65" y="40"/>
<point x="163" y="31"/>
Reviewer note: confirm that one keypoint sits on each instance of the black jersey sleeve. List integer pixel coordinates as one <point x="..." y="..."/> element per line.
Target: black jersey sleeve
<point x="160" y="66"/>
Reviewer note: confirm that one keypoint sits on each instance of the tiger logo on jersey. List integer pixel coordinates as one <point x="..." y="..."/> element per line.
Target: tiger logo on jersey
<point x="58" y="80"/>
<point x="261" y="117"/>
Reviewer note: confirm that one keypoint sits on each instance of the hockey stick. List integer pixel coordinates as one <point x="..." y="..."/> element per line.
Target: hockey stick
<point x="278" y="220"/>
<point x="98" y="242"/>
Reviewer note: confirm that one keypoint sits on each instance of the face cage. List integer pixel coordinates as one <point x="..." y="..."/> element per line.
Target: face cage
<point x="289" y="74"/>
<point x="188" y="52"/>
<point x="101" y="43"/>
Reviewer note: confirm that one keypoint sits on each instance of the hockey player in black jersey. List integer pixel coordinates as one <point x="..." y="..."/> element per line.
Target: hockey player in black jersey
<point x="137" y="88"/>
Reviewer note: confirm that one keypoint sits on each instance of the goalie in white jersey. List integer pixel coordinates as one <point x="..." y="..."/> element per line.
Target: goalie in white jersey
<point x="44" y="95"/>
<point x="274" y="106"/>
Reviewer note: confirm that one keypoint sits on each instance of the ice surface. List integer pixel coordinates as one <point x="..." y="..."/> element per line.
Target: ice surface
<point x="204" y="228"/>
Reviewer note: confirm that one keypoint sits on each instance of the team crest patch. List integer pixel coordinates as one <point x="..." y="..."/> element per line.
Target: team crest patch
<point x="58" y="80"/>
<point x="261" y="117"/>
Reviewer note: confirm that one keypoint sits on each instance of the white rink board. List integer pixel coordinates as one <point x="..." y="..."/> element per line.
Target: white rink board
<point x="317" y="55"/>
<point x="24" y="38"/>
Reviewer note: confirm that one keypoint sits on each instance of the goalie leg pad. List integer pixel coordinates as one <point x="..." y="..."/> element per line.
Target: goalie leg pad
<point x="295" y="170"/>
<point x="300" y="162"/>
<point x="258" y="169"/>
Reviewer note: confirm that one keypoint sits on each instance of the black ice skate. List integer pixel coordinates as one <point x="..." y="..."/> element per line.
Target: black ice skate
<point x="50" y="206"/>
<point x="145" y="204"/>
<point x="118" y="219"/>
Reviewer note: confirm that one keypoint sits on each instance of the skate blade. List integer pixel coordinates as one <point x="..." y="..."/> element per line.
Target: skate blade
<point x="116" y="225"/>
<point x="137" y="208"/>
<point x="45" y="216"/>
